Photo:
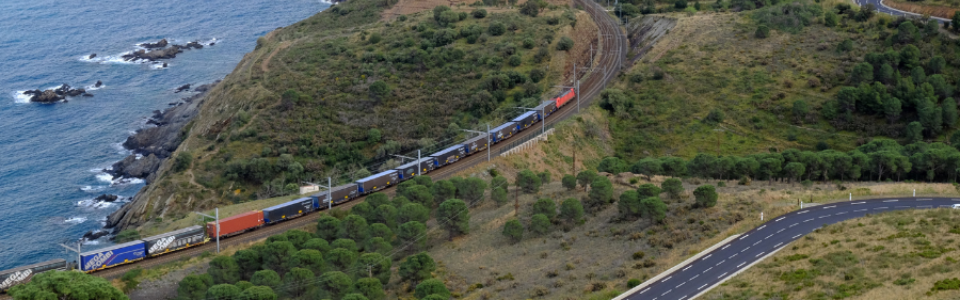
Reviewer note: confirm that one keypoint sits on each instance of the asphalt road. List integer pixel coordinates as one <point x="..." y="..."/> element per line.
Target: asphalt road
<point x="754" y="245"/>
<point x="610" y="53"/>
<point x="892" y="11"/>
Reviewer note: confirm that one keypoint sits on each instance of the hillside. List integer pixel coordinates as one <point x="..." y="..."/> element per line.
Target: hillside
<point x="338" y="93"/>
<point x="715" y="84"/>
<point x="899" y="255"/>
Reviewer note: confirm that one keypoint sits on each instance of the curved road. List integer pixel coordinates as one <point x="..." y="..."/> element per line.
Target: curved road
<point x="893" y="11"/>
<point x="751" y="247"/>
<point x="612" y="48"/>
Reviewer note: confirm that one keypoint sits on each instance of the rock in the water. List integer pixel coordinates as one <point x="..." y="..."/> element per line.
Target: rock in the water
<point x="133" y="167"/>
<point x="153" y="55"/>
<point x="213" y="43"/>
<point x="99" y="83"/>
<point x="106" y="197"/>
<point x="162" y="43"/>
<point x="92" y="235"/>
<point x="92" y="56"/>
<point x="58" y="94"/>
<point x="164" y="65"/>
<point x="185" y="87"/>
<point x="48" y="96"/>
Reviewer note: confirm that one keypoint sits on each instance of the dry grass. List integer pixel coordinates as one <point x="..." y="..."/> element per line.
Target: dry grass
<point x="876" y="262"/>
<point x="404" y="7"/>
<point x="933" y="8"/>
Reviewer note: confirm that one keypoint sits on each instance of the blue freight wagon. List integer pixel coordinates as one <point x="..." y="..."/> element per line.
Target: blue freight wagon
<point x="340" y="194"/>
<point x="175" y="240"/>
<point x="288" y="210"/>
<point x="377" y="182"/>
<point x="449" y="155"/>
<point x="526" y="120"/>
<point x="547" y="108"/>
<point x="476" y="144"/>
<point x="111" y="256"/>
<point x="503" y="132"/>
<point x="410" y="169"/>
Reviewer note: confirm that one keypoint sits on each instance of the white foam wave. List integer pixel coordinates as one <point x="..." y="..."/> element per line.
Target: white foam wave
<point x="93" y="242"/>
<point x="104" y="177"/>
<point x="94" y="204"/>
<point x="113" y="59"/>
<point x="159" y="66"/>
<point x="94" y="87"/>
<point x="88" y="188"/>
<point x="75" y="220"/>
<point x="19" y="97"/>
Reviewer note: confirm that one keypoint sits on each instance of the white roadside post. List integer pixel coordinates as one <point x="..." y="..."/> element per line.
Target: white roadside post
<point x="216" y="217"/>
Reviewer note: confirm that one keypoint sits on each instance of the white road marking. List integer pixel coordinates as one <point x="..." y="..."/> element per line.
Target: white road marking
<point x="706" y="257"/>
<point x="684" y="269"/>
<point x="744" y="249"/>
<point x="879" y="208"/>
<point x="743" y="237"/>
<point x="955" y="199"/>
<point x="644" y="291"/>
<point x="803" y="212"/>
<point x="702" y="286"/>
<point x="731" y="256"/>
<point x="831" y="206"/>
<point x="778" y="244"/>
<point x="680" y="285"/>
<point x="821" y="217"/>
<point x="778" y="220"/>
<point x="901" y="206"/>
<point x="758" y="254"/>
<point x="694" y="277"/>
<point x="768" y="236"/>
<point x="721" y="262"/>
<point x="761" y="227"/>
<point x="808" y="220"/>
<point x="858" y="203"/>
<point x="757" y="243"/>
<point x="781" y="230"/>
<point x="924" y="199"/>
<point x="797" y="236"/>
<point x="946" y="205"/>
<point x="794" y="224"/>
<point x="665" y="293"/>
<point x="741" y="264"/>
<point x="840" y="213"/>
<point x="684" y="297"/>
<point x="708" y="269"/>
<point x="894" y="200"/>
<point x="665" y="280"/>
<point x="860" y="210"/>
<point x="725" y="247"/>
<point x="721" y="275"/>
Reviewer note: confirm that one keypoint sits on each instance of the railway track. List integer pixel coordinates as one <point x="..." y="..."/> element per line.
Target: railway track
<point x="613" y="48"/>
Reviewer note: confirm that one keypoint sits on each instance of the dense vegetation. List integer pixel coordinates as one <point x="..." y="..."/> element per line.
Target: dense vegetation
<point x="66" y="285"/>
<point x="327" y="102"/>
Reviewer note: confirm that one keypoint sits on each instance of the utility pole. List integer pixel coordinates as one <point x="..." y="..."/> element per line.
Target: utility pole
<point x="577" y="84"/>
<point x="216" y="217"/>
<point x="329" y="188"/>
<point x="77" y="250"/>
<point x="516" y="202"/>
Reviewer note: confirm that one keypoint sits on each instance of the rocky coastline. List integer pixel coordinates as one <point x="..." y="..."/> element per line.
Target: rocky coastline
<point x="151" y="146"/>
<point x="59" y="94"/>
<point x="159" y="50"/>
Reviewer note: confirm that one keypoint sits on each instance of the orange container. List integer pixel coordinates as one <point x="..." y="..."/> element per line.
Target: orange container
<point x="236" y="224"/>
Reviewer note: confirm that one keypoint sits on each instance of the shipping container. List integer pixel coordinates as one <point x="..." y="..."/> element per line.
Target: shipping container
<point x="547" y="108"/>
<point x="503" y="132"/>
<point x="377" y="182"/>
<point x="20" y="275"/>
<point x="526" y="120"/>
<point x="341" y="193"/>
<point x="449" y="155"/>
<point x="288" y="210"/>
<point x="565" y="98"/>
<point x="476" y="144"/>
<point x="236" y="224"/>
<point x="175" y="240"/>
<point x="408" y="170"/>
<point x="112" y="256"/>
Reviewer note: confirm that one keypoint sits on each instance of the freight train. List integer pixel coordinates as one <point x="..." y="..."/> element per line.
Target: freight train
<point x="92" y="261"/>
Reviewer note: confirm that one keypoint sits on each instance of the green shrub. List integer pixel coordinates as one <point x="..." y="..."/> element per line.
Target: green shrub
<point x="479" y="13"/>
<point x="496" y="29"/>
<point x="633" y="282"/>
<point x="565" y="44"/>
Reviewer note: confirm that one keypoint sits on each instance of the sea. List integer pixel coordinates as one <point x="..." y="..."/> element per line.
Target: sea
<point x="52" y="156"/>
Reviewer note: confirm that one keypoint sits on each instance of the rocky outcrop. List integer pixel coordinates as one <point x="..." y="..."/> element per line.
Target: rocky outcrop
<point x="55" y="95"/>
<point x="92" y="235"/>
<point x="161" y="44"/>
<point x="141" y="54"/>
<point x="99" y="83"/>
<point x="133" y="166"/>
<point x="159" y="142"/>
<point x="92" y="56"/>
<point x="185" y="87"/>
<point x="106" y="198"/>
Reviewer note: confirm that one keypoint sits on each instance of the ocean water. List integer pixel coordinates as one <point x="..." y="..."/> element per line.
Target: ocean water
<point x="51" y="155"/>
